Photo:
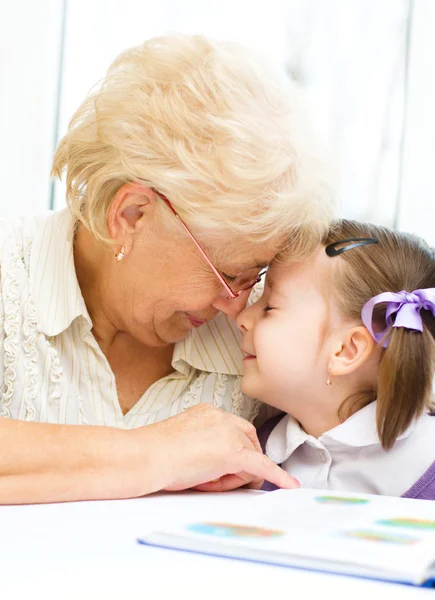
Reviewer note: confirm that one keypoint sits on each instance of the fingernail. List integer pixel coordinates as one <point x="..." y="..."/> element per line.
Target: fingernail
<point x="296" y="482"/>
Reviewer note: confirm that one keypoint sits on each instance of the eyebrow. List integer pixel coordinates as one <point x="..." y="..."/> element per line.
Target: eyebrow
<point x="270" y="279"/>
<point x="257" y="265"/>
<point x="271" y="284"/>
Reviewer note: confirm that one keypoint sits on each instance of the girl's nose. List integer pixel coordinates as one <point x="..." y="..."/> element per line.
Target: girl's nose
<point x="244" y="319"/>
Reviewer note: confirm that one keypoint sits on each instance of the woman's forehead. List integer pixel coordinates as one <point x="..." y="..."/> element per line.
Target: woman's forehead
<point x="242" y="257"/>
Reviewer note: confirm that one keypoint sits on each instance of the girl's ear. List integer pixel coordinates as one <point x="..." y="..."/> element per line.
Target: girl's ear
<point x="353" y="350"/>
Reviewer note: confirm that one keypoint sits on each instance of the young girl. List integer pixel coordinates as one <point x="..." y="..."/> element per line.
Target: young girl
<point x="343" y="343"/>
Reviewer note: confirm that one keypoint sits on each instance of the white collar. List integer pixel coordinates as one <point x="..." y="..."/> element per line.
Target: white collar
<point x="53" y="275"/>
<point x="358" y="431"/>
<point x="214" y="347"/>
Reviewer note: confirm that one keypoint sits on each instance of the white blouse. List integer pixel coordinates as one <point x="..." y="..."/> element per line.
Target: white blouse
<point x="52" y="369"/>
<point x="350" y="457"/>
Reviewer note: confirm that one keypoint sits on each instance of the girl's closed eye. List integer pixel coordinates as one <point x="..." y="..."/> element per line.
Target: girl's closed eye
<point x="267" y="308"/>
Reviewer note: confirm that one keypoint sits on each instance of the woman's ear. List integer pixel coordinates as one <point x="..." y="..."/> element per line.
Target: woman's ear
<point x="128" y="211"/>
<point x="355" y="347"/>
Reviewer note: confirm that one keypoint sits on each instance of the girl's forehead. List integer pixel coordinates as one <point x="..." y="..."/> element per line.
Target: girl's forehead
<point x="314" y="271"/>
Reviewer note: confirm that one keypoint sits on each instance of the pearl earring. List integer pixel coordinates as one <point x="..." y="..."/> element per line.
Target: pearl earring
<point x="329" y="380"/>
<point x="120" y="255"/>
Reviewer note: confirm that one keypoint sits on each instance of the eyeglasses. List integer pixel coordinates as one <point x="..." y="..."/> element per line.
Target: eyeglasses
<point x="248" y="286"/>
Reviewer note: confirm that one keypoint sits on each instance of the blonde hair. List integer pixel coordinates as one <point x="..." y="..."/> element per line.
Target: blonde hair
<point x="398" y="261"/>
<point x="213" y="128"/>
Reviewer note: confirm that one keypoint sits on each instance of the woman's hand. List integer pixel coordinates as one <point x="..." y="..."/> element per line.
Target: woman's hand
<point x="41" y="462"/>
<point x="212" y="450"/>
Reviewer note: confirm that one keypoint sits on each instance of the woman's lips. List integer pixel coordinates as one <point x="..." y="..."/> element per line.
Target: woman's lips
<point x="195" y="321"/>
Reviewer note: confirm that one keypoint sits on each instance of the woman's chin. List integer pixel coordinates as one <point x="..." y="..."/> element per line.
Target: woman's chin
<point x="174" y="330"/>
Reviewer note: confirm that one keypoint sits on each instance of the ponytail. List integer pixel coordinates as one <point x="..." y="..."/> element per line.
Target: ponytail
<point x="405" y="379"/>
<point x="388" y="283"/>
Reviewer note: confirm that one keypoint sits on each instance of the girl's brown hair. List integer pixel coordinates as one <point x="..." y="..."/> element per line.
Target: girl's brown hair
<point x="399" y="261"/>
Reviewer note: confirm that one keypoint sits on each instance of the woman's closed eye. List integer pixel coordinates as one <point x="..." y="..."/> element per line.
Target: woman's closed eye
<point x="246" y="279"/>
<point x="267" y="308"/>
<point x="229" y="278"/>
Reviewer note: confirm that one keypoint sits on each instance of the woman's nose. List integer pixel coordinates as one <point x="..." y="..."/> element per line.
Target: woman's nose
<point x="230" y="306"/>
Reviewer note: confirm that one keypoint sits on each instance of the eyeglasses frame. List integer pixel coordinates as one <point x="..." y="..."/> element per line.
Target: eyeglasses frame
<point x="231" y="295"/>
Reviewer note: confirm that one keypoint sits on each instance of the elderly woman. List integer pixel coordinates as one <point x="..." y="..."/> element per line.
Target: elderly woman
<point x="185" y="172"/>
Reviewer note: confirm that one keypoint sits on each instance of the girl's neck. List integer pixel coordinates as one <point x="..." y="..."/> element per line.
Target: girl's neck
<point x="318" y="425"/>
<point x="322" y="410"/>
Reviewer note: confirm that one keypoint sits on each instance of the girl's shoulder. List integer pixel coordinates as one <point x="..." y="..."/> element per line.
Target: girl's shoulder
<point x="424" y="487"/>
<point x="265" y="430"/>
<point x="424" y="430"/>
<point x="420" y="445"/>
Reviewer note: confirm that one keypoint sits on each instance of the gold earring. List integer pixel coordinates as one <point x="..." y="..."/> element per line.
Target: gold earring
<point x="120" y="255"/>
<point x="329" y="380"/>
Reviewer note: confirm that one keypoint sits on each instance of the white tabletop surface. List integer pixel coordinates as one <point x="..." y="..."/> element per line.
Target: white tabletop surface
<point x="88" y="550"/>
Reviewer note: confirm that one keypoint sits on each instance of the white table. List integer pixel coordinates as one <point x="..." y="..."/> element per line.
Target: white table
<point x="87" y="550"/>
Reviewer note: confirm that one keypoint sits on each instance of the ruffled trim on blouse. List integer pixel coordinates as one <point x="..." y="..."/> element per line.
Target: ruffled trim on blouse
<point x="193" y="395"/>
<point x="220" y="390"/>
<point x="11" y="300"/>
<point x="238" y="398"/>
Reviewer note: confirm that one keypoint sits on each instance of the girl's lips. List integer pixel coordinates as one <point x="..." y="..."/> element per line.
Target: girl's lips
<point x="248" y="356"/>
<point x="195" y="322"/>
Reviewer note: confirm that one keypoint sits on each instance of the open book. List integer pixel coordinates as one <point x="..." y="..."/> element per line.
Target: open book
<point x="378" y="537"/>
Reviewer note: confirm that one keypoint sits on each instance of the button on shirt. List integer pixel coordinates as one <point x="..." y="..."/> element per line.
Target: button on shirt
<point x="51" y="366"/>
<point x="349" y="457"/>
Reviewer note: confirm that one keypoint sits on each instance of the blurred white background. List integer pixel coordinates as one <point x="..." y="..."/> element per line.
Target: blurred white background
<point x="368" y="65"/>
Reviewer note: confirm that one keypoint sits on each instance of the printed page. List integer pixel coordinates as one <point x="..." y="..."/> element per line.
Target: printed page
<point x="381" y="531"/>
<point x="389" y="536"/>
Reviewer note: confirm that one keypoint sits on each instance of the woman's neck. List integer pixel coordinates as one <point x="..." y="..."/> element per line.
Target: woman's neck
<point x="92" y="265"/>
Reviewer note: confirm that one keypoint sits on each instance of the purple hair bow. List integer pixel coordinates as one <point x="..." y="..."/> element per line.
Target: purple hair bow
<point x="405" y="305"/>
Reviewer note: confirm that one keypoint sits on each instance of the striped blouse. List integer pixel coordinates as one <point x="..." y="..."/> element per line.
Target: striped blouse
<point x="52" y="369"/>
